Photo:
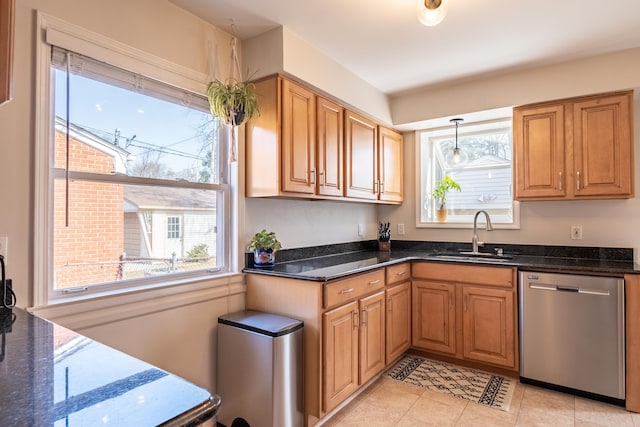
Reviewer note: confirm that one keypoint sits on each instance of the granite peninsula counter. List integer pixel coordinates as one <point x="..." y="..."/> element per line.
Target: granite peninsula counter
<point x="51" y="376"/>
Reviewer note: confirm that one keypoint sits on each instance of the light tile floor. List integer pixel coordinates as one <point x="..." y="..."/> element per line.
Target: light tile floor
<point x="389" y="403"/>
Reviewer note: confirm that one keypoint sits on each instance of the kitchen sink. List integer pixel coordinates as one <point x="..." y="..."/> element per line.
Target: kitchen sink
<point x="471" y="256"/>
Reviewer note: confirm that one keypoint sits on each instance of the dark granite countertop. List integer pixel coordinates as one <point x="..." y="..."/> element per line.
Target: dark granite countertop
<point x="51" y="376"/>
<point x="328" y="263"/>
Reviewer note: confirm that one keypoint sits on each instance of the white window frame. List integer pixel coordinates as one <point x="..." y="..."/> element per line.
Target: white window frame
<point x="442" y="126"/>
<point x="52" y="30"/>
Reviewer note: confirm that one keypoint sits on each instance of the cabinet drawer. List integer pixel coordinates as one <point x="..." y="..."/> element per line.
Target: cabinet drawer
<point x="398" y="273"/>
<point x="348" y="289"/>
<point x="450" y="272"/>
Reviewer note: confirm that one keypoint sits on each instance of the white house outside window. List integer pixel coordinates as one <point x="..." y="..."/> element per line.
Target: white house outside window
<point x="485" y="174"/>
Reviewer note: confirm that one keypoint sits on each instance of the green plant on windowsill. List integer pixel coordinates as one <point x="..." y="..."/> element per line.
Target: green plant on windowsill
<point x="440" y="191"/>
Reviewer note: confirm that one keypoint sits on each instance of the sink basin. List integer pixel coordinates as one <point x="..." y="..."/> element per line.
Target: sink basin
<point x="471" y="256"/>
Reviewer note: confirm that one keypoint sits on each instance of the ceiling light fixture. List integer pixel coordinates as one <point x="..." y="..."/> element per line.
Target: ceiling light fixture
<point x="432" y="12"/>
<point x="459" y="156"/>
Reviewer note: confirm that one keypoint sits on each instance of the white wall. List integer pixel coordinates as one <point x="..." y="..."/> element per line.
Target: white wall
<point x="302" y="223"/>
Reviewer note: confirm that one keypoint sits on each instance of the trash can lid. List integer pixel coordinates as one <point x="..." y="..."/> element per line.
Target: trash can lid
<point x="270" y="324"/>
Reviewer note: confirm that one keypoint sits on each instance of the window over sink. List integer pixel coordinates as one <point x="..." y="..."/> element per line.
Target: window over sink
<point x="484" y="172"/>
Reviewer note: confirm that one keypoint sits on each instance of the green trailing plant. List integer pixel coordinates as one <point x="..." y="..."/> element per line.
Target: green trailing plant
<point x="233" y="102"/>
<point x="441" y="189"/>
<point x="264" y="240"/>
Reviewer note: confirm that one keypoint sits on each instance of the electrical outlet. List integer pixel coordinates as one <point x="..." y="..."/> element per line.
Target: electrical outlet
<point x="400" y="229"/>
<point x="576" y="232"/>
<point x="4" y="247"/>
<point x="360" y="230"/>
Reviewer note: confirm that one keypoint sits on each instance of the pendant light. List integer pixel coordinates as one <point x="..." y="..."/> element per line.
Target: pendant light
<point x="432" y="12"/>
<point x="459" y="157"/>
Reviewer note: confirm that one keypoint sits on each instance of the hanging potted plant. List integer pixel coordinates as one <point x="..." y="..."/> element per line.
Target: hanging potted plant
<point x="233" y="101"/>
<point x="440" y="191"/>
<point x="264" y="245"/>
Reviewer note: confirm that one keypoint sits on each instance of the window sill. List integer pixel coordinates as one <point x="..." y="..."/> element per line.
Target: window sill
<point x="94" y="310"/>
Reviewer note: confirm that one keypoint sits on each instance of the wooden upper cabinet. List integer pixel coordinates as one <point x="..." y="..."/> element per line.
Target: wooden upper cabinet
<point x="330" y="133"/>
<point x="298" y="138"/>
<point x="361" y="156"/>
<point x="538" y="134"/>
<point x="579" y="148"/>
<point x="6" y="49"/>
<point x="603" y="146"/>
<point x="308" y="146"/>
<point x="390" y="165"/>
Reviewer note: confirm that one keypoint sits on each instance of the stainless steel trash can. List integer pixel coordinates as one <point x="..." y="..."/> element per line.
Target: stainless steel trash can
<point x="259" y="369"/>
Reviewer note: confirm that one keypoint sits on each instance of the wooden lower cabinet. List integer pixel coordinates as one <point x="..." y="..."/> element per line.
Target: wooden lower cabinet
<point x="488" y="325"/>
<point x="354" y="347"/>
<point x="398" y="339"/>
<point x="466" y="312"/>
<point x="434" y="316"/>
<point x="372" y="336"/>
<point x="340" y="354"/>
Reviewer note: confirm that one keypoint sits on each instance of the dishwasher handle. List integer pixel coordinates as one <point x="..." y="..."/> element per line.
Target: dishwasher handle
<point x="542" y="287"/>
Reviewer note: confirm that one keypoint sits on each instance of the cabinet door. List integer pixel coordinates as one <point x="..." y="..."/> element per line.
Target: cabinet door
<point x="398" y="321"/>
<point x="361" y="158"/>
<point x="602" y="146"/>
<point x="489" y="325"/>
<point x="298" y="138"/>
<point x="340" y="354"/>
<point x="539" y="141"/>
<point x="330" y="132"/>
<point x="434" y="319"/>
<point x="372" y="336"/>
<point x="390" y="165"/>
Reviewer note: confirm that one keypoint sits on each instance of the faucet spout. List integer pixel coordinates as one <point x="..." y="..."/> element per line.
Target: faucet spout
<point x="488" y="226"/>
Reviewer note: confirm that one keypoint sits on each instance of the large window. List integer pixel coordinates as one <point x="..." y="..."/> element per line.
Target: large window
<point x="483" y="171"/>
<point x="138" y="190"/>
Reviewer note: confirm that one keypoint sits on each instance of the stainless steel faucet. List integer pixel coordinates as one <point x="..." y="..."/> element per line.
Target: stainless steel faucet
<point x="488" y="227"/>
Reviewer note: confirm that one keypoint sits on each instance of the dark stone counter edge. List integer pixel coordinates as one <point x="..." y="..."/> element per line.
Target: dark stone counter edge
<point x="206" y="411"/>
<point x="579" y="260"/>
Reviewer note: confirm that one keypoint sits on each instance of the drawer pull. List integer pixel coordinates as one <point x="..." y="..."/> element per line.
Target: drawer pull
<point x="401" y="273"/>
<point x="346" y="291"/>
<point x="374" y="282"/>
<point x="390" y="304"/>
<point x="355" y="319"/>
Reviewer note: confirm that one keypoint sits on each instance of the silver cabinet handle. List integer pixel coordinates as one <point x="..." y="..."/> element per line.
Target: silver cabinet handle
<point x="323" y="181"/>
<point x="382" y="188"/>
<point x="346" y="291"/>
<point x="356" y="319"/>
<point x="312" y="174"/>
<point x="560" y="180"/>
<point x="401" y="273"/>
<point x="374" y="282"/>
<point x="578" y="180"/>
<point x="390" y="304"/>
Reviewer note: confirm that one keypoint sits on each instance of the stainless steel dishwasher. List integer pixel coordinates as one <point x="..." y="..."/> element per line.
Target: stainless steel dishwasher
<point x="572" y="333"/>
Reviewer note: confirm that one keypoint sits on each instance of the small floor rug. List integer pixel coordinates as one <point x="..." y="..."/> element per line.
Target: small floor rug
<point x="477" y="386"/>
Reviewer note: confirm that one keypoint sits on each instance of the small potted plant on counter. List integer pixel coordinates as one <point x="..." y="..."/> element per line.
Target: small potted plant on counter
<point x="384" y="237"/>
<point x="264" y="245"/>
<point x="440" y="191"/>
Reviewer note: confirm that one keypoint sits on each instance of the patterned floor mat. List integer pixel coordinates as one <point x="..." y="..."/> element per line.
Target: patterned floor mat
<point x="477" y="386"/>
